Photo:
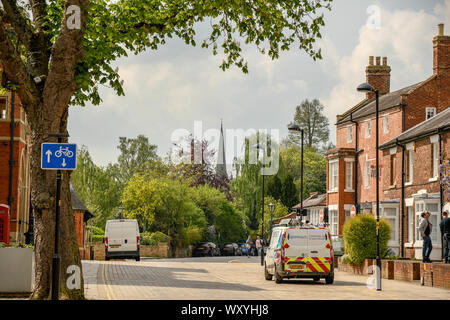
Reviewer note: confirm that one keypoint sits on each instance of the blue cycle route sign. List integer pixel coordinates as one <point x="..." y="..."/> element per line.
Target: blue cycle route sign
<point x="59" y="156"/>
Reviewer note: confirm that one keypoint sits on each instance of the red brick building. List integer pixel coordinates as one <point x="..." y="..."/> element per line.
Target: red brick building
<point x="20" y="195"/>
<point x="351" y="173"/>
<point x="420" y="151"/>
<point x="81" y="216"/>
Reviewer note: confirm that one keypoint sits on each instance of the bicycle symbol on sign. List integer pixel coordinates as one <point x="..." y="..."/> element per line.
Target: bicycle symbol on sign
<point x="64" y="151"/>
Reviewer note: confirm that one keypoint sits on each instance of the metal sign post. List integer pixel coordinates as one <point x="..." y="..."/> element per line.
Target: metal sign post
<point x="57" y="156"/>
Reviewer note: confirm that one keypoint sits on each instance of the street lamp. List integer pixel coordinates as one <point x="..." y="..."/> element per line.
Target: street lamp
<point x="365" y="87"/>
<point x="121" y="211"/>
<point x="294" y="127"/>
<point x="258" y="146"/>
<point x="271" y="208"/>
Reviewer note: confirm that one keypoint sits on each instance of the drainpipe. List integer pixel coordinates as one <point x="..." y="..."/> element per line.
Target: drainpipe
<point x="402" y="221"/>
<point x="11" y="157"/>
<point x="356" y="161"/>
<point x="440" y="186"/>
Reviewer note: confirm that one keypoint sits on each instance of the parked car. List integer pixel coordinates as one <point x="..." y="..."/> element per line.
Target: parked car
<point x="122" y="239"/>
<point x="338" y="245"/>
<point x="205" y="249"/>
<point x="231" y="249"/>
<point x="243" y="247"/>
<point x="299" y="252"/>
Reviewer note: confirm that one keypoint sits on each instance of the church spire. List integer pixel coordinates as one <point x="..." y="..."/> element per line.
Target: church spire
<point x="221" y="167"/>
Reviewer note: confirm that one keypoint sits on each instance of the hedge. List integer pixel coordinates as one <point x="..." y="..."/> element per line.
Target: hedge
<point x="360" y="238"/>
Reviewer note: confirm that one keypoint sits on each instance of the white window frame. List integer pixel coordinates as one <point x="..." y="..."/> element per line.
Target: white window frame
<point x="392" y="242"/>
<point x="349" y="134"/>
<point x="411" y="232"/>
<point x="410" y="164"/>
<point x="435" y="158"/>
<point x="386" y="124"/>
<point x="333" y="179"/>
<point x="430" y="110"/>
<point x="367" y="174"/>
<point x="334" y="221"/>
<point x="349" y="175"/>
<point x="368" y="127"/>
<point x="422" y="204"/>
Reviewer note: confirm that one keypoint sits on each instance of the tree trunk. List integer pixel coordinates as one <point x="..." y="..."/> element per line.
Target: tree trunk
<point x="44" y="202"/>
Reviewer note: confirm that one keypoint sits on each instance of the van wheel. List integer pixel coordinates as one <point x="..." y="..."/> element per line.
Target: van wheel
<point x="138" y="258"/>
<point x="106" y="258"/>
<point x="278" y="278"/>
<point x="329" y="279"/>
<point x="267" y="275"/>
<point x="316" y="278"/>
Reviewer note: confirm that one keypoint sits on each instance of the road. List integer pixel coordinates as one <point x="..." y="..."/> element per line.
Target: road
<point x="229" y="278"/>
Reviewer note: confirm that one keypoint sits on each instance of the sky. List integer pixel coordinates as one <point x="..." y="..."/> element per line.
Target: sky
<point x="171" y="89"/>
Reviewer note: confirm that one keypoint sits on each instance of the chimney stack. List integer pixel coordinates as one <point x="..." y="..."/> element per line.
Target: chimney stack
<point x="441" y="53"/>
<point x="378" y="76"/>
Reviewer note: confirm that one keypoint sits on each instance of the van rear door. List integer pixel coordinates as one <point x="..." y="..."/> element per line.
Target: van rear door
<point x="130" y="232"/>
<point x="114" y="235"/>
<point x="319" y="249"/>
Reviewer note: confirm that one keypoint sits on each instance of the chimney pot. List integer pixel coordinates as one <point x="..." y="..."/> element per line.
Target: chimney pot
<point x="440" y="29"/>
<point x="378" y="60"/>
<point x="384" y="61"/>
<point x="370" y="60"/>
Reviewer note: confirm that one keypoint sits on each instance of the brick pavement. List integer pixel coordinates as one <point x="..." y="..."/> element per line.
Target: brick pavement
<point x="217" y="278"/>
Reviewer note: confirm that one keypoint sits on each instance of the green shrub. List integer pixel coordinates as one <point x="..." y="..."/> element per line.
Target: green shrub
<point x="2" y="245"/>
<point x="21" y="245"/>
<point x="361" y="240"/>
<point x="97" y="238"/>
<point x="154" y="238"/>
<point x="97" y="231"/>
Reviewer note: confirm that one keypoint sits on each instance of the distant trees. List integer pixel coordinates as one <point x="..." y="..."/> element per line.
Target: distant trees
<point x="309" y="117"/>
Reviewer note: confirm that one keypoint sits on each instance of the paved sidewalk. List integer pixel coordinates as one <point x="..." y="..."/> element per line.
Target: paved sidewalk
<point x="230" y="279"/>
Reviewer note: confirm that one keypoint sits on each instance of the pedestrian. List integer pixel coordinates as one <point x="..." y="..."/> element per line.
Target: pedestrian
<point x="425" y="228"/>
<point x="249" y="245"/>
<point x="258" y="245"/>
<point x="445" y="230"/>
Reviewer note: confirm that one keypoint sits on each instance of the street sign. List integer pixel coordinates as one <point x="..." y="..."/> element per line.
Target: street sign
<point x="59" y="156"/>
<point x="353" y="211"/>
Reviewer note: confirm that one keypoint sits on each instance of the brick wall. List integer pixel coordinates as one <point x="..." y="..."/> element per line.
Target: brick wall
<point x="146" y="251"/>
<point x="441" y="275"/>
<point x="406" y="270"/>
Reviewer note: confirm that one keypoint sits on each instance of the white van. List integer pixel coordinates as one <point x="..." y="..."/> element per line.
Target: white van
<point x="300" y="252"/>
<point x="122" y="239"/>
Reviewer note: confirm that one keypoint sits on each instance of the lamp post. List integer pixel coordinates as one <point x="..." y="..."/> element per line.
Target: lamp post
<point x="271" y="208"/>
<point x="365" y="87"/>
<point x="258" y="146"/>
<point x="121" y="211"/>
<point x="294" y="127"/>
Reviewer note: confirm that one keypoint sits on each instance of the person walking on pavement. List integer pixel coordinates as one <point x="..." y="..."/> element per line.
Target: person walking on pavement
<point x="445" y="231"/>
<point x="425" y="228"/>
<point x="249" y="245"/>
<point x="258" y="245"/>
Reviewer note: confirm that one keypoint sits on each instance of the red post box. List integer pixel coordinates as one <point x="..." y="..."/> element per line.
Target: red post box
<point x="4" y="223"/>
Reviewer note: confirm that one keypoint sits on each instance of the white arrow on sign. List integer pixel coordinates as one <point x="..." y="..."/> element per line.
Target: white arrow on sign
<point x="48" y="153"/>
<point x="64" y="162"/>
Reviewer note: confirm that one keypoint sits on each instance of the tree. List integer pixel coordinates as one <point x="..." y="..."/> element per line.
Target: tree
<point x="136" y="156"/>
<point x="288" y="192"/>
<point x="280" y="210"/>
<point x="96" y="187"/>
<point x="168" y="203"/>
<point x="58" y="52"/>
<point x="314" y="169"/>
<point x="220" y="213"/>
<point x="309" y="116"/>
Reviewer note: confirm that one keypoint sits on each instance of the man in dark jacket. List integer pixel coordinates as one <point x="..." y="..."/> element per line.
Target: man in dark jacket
<point x="445" y="230"/>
